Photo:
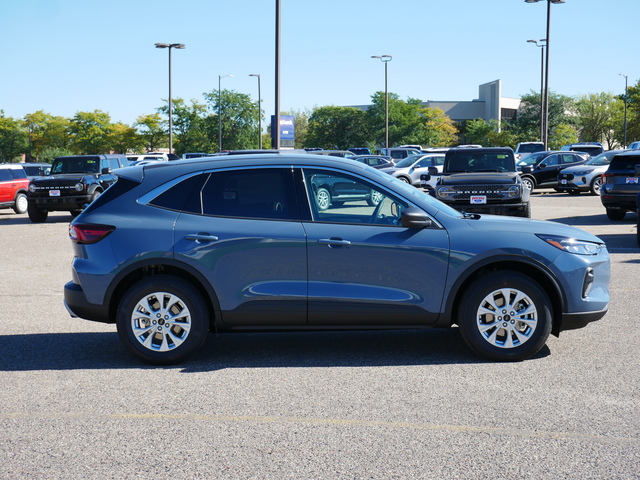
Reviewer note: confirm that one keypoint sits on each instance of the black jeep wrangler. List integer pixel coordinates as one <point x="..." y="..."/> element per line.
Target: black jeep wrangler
<point x="72" y="184"/>
<point x="481" y="180"/>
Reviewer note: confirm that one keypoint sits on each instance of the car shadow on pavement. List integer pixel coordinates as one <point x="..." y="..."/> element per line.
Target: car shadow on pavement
<point x="90" y="351"/>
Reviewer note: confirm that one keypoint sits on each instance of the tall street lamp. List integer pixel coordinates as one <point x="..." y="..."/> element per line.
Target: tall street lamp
<point x="385" y="59"/>
<point x="220" y="77"/>
<point x="257" y="75"/>
<point x="625" y="108"/>
<point x="542" y="45"/>
<point x="545" y="139"/>
<point x="170" y="46"/>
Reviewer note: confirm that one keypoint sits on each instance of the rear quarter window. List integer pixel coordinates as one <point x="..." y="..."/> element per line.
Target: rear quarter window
<point x="624" y="163"/>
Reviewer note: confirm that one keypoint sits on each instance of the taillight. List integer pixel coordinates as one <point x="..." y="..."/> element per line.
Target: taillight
<point x="85" y="234"/>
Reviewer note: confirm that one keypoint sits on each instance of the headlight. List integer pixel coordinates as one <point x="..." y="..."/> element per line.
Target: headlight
<point x="513" y="191"/>
<point x="32" y="188"/>
<point x="79" y="187"/>
<point x="583" y="172"/>
<point x="444" y="192"/>
<point x="571" y="245"/>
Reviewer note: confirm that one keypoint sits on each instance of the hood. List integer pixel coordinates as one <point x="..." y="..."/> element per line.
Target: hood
<point x="480" y="178"/>
<point x="583" y="167"/>
<point x="506" y="224"/>
<point x="67" y="177"/>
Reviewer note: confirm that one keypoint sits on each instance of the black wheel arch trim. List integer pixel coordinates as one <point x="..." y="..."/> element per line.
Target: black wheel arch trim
<point x="141" y="269"/>
<point x="538" y="271"/>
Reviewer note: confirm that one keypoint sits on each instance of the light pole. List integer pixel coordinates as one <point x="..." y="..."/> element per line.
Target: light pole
<point x="385" y="59"/>
<point x="545" y="136"/>
<point x="625" y="108"/>
<point x="170" y="46"/>
<point x="220" y="77"/>
<point x="257" y="75"/>
<point x="541" y="83"/>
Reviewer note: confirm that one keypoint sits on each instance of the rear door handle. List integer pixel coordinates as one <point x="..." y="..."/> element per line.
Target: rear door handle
<point x="333" y="242"/>
<point x="201" y="237"/>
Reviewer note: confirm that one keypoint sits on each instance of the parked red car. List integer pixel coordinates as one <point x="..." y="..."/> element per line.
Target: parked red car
<point x="13" y="187"/>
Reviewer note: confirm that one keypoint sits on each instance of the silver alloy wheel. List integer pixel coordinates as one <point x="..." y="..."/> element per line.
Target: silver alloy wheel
<point x="323" y="197"/>
<point x="21" y="204"/>
<point x="376" y="197"/>
<point x="596" y="185"/>
<point x="161" y="321"/>
<point x="507" y="318"/>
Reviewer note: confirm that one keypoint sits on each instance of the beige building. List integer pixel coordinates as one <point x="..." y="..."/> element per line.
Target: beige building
<point x="490" y="105"/>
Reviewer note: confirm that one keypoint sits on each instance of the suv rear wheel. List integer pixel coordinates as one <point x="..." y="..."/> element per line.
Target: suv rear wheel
<point x="505" y="316"/>
<point x="616" y="213"/>
<point x="162" y="320"/>
<point x="20" y="204"/>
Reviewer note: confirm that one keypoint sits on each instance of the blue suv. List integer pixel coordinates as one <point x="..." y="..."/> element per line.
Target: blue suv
<point x="236" y="243"/>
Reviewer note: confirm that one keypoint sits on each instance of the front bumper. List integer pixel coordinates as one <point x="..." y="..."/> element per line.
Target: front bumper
<point x="74" y="202"/>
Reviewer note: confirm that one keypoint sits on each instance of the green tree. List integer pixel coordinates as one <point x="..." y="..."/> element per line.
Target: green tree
<point x="337" y="128"/>
<point x="46" y="131"/>
<point x="124" y="139"/>
<point x="239" y="116"/>
<point x="91" y="132"/>
<point x="439" y="129"/>
<point x="562" y="134"/>
<point x="599" y="115"/>
<point x="13" y="139"/>
<point x="151" y="130"/>
<point x="527" y="120"/>
<point x="190" y="133"/>
<point x="633" y="114"/>
<point x="478" y="131"/>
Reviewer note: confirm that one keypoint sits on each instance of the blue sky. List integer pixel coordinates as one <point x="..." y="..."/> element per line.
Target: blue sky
<point x="65" y="56"/>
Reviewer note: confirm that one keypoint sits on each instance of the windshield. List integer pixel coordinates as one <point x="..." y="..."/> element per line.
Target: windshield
<point x="602" y="159"/>
<point x="75" y="165"/>
<point x="532" y="159"/>
<point x="407" y="162"/>
<point x="471" y="160"/>
<point x="530" y="148"/>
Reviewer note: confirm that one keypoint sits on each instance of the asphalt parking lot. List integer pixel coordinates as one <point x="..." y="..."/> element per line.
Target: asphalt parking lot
<point x="356" y="405"/>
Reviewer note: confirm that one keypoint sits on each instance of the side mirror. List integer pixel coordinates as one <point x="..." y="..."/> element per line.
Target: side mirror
<point x="433" y="171"/>
<point x="526" y="169"/>
<point x="106" y="171"/>
<point x="542" y="165"/>
<point x="415" y="218"/>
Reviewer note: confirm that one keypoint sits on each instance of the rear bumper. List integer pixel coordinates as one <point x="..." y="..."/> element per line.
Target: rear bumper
<point x="77" y="305"/>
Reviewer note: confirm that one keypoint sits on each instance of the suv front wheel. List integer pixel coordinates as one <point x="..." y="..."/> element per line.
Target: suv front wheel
<point x="162" y="320"/>
<point x="505" y="316"/>
<point x="37" y="215"/>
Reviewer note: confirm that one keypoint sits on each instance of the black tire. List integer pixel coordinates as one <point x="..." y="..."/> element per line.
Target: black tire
<point x="148" y="305"/>
<point x="616" y="213"/>
<point x="596" y="185"/>
<point x="36" y="215"/>
<point x="75" y="213"/>
<point x="529" y="181"/>
<point x="510" y="336"/>
<point x="323" y="199"/>
<point x="20" y="204"/>
<point x="526" y="211"/>
<point x="404" y="179"/>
